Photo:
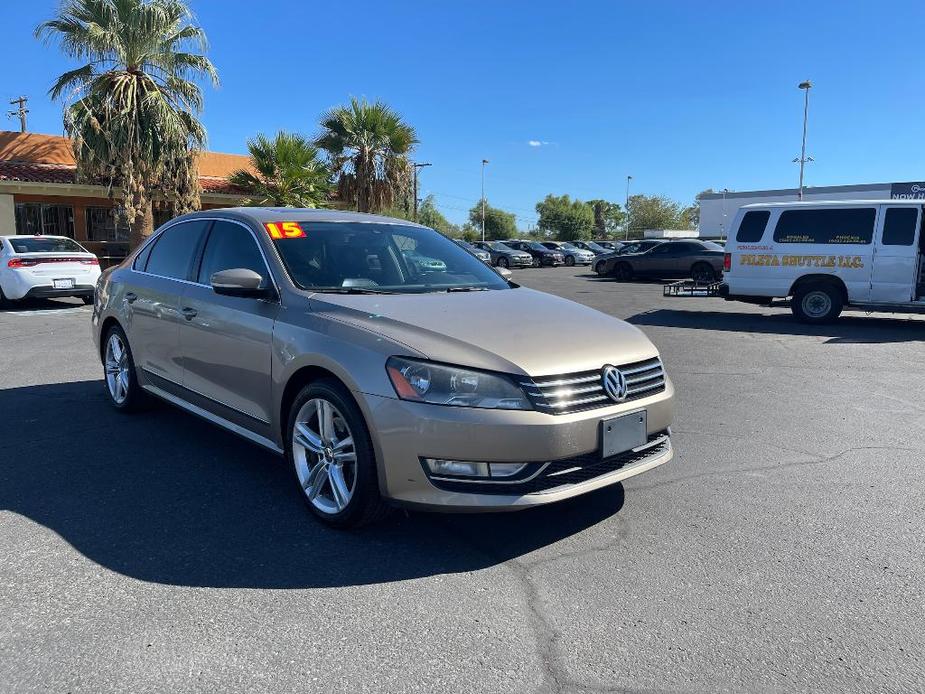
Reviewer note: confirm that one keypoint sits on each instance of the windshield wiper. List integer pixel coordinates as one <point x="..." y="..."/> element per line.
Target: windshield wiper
<point x="350" y="290"/>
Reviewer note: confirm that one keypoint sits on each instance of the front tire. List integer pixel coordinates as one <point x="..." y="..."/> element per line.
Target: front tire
<point x="504" y="262"/>
<point x="599" y="267"/>
<point x="119" y="372"/>
<point x="623" y="272"/>
<point x="331" y="456"/>
<point x="818" y="303"/>
<point x="570" y="261"/>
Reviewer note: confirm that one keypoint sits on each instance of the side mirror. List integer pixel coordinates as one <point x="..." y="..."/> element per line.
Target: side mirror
<point x="239" y="282"/>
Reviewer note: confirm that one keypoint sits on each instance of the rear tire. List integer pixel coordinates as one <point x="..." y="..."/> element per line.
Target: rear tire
<point x="623" y="272"/>
<point x="4" y="302"/>
<point x="88" y="300"/>
<point x="703" y="273"/>
<point x="817" y="303"/>
<point x="320" y="458"/>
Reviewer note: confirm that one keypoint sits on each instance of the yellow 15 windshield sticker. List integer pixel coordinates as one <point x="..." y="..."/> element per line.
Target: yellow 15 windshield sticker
<point x="284" y="230"/>
<point x="851" y="262"/>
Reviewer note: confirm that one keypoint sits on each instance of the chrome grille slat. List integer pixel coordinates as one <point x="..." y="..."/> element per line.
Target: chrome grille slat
<point x="556" y="394"/>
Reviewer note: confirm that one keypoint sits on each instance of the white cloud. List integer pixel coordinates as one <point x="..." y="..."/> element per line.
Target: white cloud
<point x="536" y="143"/>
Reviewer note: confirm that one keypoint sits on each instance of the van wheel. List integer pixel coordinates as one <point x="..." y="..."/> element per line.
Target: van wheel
<point x="623" y="272"/>
<point x="702" y="273"/>
<point x="818" y="303"/>
<point x="331" y="456"/>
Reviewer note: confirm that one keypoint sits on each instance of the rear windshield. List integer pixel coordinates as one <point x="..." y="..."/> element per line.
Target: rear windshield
<point x="45" y="244"/>
<point x="380" y="258"/>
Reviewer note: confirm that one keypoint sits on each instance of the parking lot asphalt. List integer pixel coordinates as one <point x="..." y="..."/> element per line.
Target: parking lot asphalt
<point x="781" y="550"/>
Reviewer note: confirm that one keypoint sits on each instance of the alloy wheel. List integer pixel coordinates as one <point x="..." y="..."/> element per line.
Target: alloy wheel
<point x="324" y="454"/>
<point x="116" y="369"/>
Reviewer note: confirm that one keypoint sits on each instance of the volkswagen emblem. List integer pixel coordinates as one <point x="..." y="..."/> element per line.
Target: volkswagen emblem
<point x="614" y="383"/>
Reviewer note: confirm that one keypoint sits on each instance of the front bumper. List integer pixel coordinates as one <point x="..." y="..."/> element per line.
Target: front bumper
<point x="404" y="432"/>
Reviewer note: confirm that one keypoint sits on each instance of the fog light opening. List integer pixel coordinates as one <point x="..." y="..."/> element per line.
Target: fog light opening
<point x="457" y="468"/>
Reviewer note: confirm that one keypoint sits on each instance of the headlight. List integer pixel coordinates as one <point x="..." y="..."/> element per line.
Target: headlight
<point x="424" y="381"/>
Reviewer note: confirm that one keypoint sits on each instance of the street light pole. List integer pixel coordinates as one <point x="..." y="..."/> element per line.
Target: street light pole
<point x="484" y="161"/>
<point x="626" y="210"/>
<point x="805" y="86"/>
<point x="416" y="167"/>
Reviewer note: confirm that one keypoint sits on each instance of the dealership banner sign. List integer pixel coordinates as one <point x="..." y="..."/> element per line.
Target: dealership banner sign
<point x="907" y="191"/>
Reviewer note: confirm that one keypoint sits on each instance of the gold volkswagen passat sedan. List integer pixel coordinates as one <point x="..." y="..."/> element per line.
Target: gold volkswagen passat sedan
<point x="389" y="365"/>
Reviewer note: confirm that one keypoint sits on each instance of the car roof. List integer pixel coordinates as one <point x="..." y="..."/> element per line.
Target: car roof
<point x="299" y="214"/>
<point x="34" y="236"/>
<point x="832" y="203"/>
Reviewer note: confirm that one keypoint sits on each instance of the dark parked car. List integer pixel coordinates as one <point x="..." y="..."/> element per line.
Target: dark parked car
<point x="702" y="261"/>
<point x="604" y="264"/>
<point x="504" y="256"/>
<point x="572" y="254"/>
<point x="542" y="256"/>
<point x="484" y="256"/>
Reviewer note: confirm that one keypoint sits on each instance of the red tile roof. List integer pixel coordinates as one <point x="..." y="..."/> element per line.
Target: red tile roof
<point x="37" y="158"/>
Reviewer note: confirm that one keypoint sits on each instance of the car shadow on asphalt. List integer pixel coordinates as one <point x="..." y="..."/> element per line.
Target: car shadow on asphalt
<point x="42" y="305"/>
<point x="846" y="330"/>
<point x="164" y="497"/>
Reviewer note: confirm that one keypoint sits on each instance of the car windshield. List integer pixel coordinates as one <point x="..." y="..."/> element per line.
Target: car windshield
<point x="45" y="244"/>
<point x="569" y="247"/>
<point x="380" y="258"/>
<point x="710" y="245"/>
<point x="537" y="246"/>
<point x="596" y="247"/>
<point x="498" y="246"/>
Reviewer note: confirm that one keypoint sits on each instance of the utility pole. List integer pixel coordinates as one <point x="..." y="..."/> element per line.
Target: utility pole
<point x="722" y="233"/>
<point x="805" y="86"/>
<point x="626" y="210"/>
<point x="21" y="111"/>
<point x="416" y="167"/>
<point x="484" y="161"/>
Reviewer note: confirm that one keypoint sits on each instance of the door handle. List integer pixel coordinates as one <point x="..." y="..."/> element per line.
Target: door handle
<point x="131" y="297"/>
<point x="189" y="313"/>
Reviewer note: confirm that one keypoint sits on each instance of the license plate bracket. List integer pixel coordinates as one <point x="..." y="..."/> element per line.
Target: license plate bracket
<point x="623" y="433"/>
<point x="64" y="283"/>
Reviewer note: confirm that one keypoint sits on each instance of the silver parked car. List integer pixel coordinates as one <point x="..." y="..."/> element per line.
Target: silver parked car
<point x="484" y="256"/>
<point x="318" y="335"/>
<point x="573" y="254"/>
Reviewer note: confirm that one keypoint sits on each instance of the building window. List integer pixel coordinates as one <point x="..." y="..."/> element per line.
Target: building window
<point x="102" y="225"/>
<point x="36" y="218"/>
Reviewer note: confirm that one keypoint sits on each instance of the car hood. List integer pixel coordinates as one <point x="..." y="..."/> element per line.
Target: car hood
<point x="513" y="331"/>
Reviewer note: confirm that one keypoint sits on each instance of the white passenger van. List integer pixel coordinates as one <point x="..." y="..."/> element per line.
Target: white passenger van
<point x="827" y="256"/>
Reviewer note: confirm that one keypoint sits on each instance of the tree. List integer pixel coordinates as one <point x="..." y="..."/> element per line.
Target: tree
<point x="368" y="145"/>
<point x="567" y="219"/>
<point x="608" y="217"/>
<point x="498" y="223"/>
<point x="131" y="110"/>
<point x="655" y="212"/>
<point x="289" y="173"/>
<point x="430" y="216"/>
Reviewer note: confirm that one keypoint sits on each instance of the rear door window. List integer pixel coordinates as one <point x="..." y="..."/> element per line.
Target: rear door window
<point x="752" y="226"/>
<point x="899" y="226"/>
<point x="833" y="226"/>
<point x="174" y="251"/>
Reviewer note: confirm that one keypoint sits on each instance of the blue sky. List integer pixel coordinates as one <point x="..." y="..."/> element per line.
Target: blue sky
<point x="681" y="95"/>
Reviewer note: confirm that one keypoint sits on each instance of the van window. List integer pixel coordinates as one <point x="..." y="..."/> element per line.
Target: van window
<point x="828" y="226"/>
<point x="752" y="226"/>
<point x="899" y="226"/>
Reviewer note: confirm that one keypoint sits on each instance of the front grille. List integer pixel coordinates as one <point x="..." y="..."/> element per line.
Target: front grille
<point x="585" y="390"/>
<point x="566" y="472"/>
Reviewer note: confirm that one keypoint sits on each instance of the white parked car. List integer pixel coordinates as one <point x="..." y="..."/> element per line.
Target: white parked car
<point x="866" y="254"/>
<point x="46" y="267"/>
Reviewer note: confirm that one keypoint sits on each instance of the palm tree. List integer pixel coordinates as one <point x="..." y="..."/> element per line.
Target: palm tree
<point x="368" y="145"/>
<point x="131" y="109"/>
<point x="288" y="173"/>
